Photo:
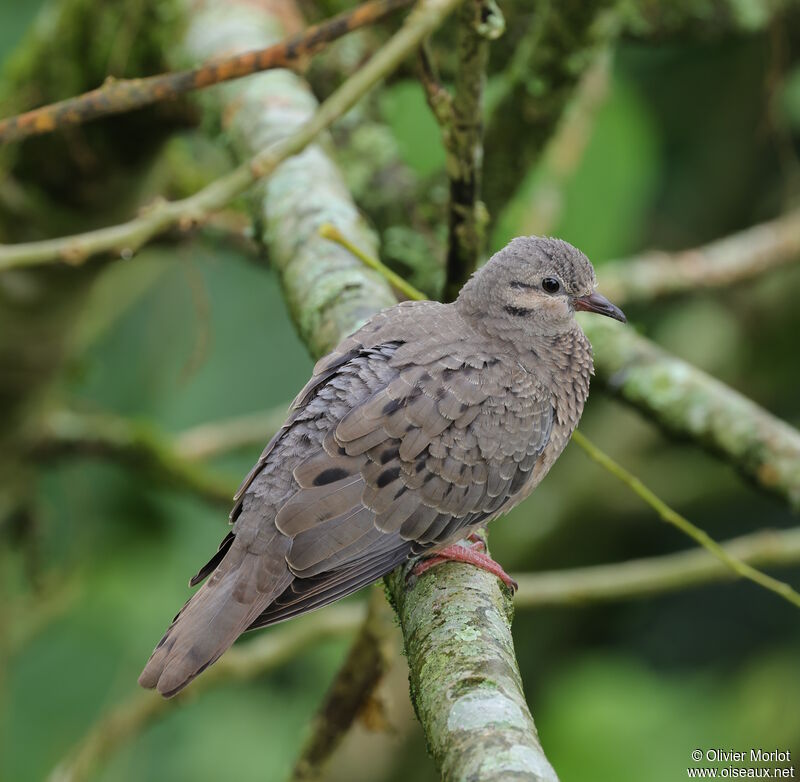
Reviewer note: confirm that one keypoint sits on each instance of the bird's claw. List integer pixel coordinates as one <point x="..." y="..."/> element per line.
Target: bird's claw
<point x="470" y="555"/>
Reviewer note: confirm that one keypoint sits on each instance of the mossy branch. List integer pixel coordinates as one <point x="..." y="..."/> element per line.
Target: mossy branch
<point x="480" y="21"/>
<point x="465" y="683"/>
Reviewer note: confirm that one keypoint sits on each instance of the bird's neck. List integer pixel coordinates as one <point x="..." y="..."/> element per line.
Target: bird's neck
<point x="560" y="357"/>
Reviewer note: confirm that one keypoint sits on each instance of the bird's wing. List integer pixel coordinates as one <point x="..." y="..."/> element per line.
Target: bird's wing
<point x="440" y="447"/>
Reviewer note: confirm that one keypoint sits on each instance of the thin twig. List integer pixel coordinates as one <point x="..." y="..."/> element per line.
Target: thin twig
<point x="639" y="578"/>
<point x="734" y="258"/>
<point x="117" y="96"/>
<point x="331" y="232"/>
<point x="245" y="661"/>
<point x="367" y="662"/>
<point x="684" y="525"/>
<point x="686" y="402"/>
<point x="439" y="99"/>
<point x="128" y="237"/>
<point x="210" y="439"/>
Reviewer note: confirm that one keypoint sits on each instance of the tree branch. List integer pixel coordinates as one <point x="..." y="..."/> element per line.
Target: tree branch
<point x="735" y="258"/>
<point x="118" y="96"/>
<point x="128" y="237"/>
<point x="639" y="578"/>
<point x="671" y="516"/>
<point x="465" y="682"/>
<point x="215" y="437"/>
<point x="131" y="442"/>
<point x="440" y="101"/>
<point x="480" y="22"/>
<point x="687" y="402"/>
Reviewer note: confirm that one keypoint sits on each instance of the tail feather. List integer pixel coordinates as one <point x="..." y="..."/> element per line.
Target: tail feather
<point x="220" y="611"/>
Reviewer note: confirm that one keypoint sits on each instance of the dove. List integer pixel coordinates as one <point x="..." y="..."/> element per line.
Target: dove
<point x="420" y="428"/>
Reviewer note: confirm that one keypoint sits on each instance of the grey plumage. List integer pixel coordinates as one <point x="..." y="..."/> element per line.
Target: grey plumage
<point x="428" y="422"/>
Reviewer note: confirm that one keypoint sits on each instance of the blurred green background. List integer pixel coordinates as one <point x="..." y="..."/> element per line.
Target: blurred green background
<point x="693" y="140"/>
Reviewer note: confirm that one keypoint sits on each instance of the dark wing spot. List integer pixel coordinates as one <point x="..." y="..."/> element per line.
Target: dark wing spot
<point x="389" y="454"/>
<point x="392" y="406"/>
<point x="387" y="476"/>
<point x="330" y="475"/>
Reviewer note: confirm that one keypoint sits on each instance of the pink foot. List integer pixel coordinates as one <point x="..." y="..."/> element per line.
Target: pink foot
<point x="472" y="556"/>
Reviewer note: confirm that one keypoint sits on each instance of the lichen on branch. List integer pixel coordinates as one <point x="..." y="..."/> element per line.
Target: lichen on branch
<point x="465" y="682"/>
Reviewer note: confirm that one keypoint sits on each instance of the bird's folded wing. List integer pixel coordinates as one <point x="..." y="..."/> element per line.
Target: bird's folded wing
<point x="435" y="447"/>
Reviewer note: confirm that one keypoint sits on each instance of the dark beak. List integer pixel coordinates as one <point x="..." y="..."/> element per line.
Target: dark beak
<point x="594" y="302"/>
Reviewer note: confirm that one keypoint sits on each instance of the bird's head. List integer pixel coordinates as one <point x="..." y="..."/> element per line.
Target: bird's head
<point x="541" y="281"/>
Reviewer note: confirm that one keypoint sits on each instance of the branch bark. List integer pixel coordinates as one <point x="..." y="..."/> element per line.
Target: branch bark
<point x="480" y="22"/>
<point x="465" y="682"/>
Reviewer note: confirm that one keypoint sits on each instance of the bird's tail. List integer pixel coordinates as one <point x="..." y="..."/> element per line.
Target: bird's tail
<point x="241" y="587"/>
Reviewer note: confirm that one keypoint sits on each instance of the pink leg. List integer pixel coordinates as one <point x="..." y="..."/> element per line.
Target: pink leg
<point x="471" y="556"/>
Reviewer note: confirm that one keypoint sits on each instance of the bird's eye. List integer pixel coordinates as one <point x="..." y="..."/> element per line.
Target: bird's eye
<point x="551" y="285"/>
